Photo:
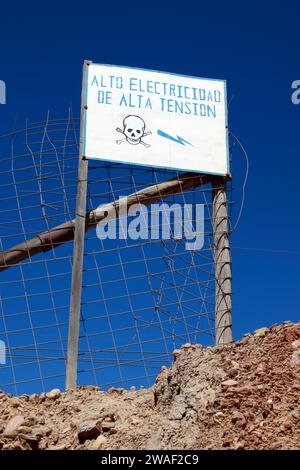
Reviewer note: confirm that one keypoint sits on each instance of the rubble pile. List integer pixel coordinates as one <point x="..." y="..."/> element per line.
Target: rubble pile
<point x="244" y="395"/>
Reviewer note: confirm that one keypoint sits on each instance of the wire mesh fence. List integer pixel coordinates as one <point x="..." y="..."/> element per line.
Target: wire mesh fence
<point x="142" y="298"/>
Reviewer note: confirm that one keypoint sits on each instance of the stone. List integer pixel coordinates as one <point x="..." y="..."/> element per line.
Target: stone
<point x="99" y="443"/>
<point x="42" y="431"/>
<point x="260" y="332"/>
<point x="287" y="424"/>
<point x="24" y="429"/>
<point x="270" y="403"/>
<point x="41" y="420"/>
<point x="176" y="353"/>
<point x="187" y="346"/>
<point x="60" y="447"/>
<point x="55" y="437"/>
<point x="53" y="394"/>
<point x="239" y="420"/>
<point x="88" y="430"/>
<point x="239" y="445"/>
<point x="245" y="340"/>
<point x="107" y="426"/>
<point x="229" y="383"/>
<point x="13" y="425"/>
<point x="178" y="409"/>
<point x="135" y="421"/>
<point x="17" y="446"/>
<point x="32" y="440"/>
<point x="234" y="365"/>
<point x="232" y="372"/>
<point x="14" y="403"/>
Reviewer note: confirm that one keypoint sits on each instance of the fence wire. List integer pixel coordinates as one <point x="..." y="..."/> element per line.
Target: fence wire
<point x="141" y="298"/>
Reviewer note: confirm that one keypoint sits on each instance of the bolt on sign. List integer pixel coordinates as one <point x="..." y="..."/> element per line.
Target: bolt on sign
<point x="155" y="119"/>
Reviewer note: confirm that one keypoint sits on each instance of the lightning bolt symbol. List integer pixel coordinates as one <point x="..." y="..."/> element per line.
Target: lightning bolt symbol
<point x="177" y="139"/>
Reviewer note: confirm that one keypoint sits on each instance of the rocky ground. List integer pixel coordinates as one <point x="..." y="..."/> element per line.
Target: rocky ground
<point x="245" y="395"/>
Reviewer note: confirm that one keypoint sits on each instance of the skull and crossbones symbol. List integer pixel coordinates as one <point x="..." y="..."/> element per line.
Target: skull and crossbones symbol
<point x="133" y="130"/>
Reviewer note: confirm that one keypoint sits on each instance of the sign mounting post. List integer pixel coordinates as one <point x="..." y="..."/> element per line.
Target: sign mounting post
<point x="77" y="266"/>
<point x="222" y="262"/>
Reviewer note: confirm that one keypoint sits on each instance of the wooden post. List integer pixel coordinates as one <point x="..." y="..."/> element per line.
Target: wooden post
<point x="223" y="301"/>
<point x="80" y="221"/>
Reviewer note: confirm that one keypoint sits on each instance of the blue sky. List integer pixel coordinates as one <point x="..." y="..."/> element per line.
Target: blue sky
<point x="253" y="45"/>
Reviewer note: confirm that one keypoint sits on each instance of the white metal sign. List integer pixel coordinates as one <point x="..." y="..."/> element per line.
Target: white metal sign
<point x="155" y="119"/>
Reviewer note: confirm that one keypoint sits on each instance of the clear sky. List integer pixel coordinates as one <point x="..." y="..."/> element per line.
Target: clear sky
<point x="253" y="45"/>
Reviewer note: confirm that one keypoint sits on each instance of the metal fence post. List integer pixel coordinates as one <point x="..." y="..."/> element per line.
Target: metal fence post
<point x="223" y="279"/>
<point x="78" y="251"/>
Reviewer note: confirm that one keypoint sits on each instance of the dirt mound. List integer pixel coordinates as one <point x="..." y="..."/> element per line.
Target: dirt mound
<point x="240" y="396"/>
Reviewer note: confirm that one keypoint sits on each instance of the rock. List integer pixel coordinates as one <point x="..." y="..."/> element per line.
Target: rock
<point x="17" y="446"/>
<point x="107" y="426"/>
<point x="287" y="424"/>
<point x="232" y="372"/>
<point x="53" y="394"/>
<point x="14" y="403"/>
<point x="99" y="443"/>
<point x="229" y="383"/>
<point x="227" y="441"/>
<point x="30" y="420"/>
<point x="42" y="431"/>
<point x="270" y="403"/>
<point x="246" y="390"/>
<point x="13" y="425"/>
<point x="186" y="346"/>
<point x="239" y="420"/>
<point x="60" y="447"/>
<point x="239" y="445"/>
<point x="218" y="417"/>
<point x="176" y="353"/>
<point x="235" y="365"/>
<point x="24" y="429"/>
<point x="55" y="437"/>
<point x="32" y="440"/>
<point x="88" y="430"/>
<point x="296" y="344"/>
<point x="135" y="421"/>
<point x="295" y="359"/>
<point x="260" y="332"/>
<point x="178" y="410"/>
<point x="245" y="340"/>
<point x="41" y="420"/>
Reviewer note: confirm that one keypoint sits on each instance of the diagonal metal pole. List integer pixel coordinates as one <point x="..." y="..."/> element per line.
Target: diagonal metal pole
<point x="77" y="266"/>
<point x="57" y="236"/>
